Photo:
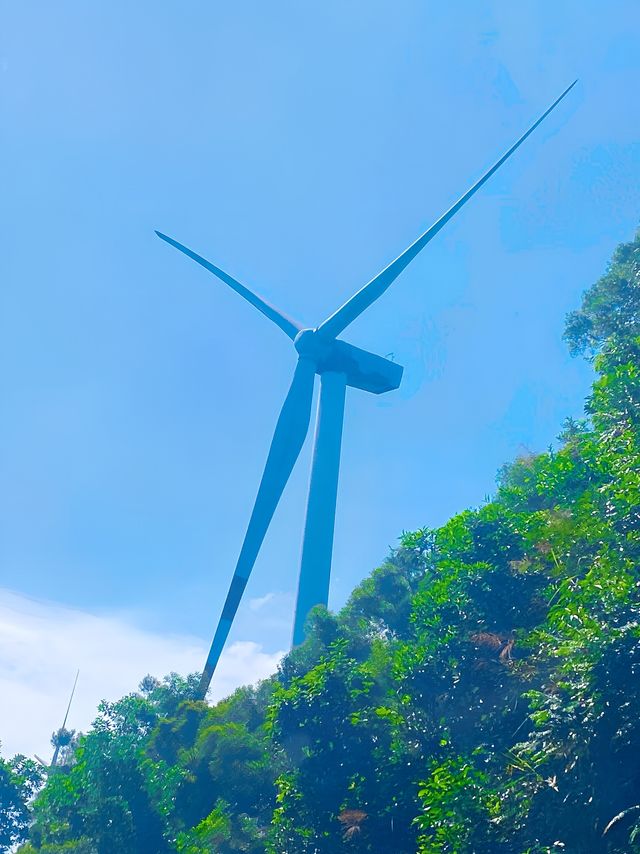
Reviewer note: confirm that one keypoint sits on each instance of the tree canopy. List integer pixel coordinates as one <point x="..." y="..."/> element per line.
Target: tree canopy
<point x="610" y="312"/>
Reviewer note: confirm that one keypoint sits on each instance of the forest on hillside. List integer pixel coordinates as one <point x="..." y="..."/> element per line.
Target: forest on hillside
<point x="478" y="694"/>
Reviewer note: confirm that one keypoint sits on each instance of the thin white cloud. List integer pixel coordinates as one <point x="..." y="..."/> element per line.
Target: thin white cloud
<point x="260" y="601"/>
<point x="42" y="644"/>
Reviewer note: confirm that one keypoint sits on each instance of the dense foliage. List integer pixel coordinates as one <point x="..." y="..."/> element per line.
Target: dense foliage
<point x="478" y="693"/>
<point x="19" y="780"/>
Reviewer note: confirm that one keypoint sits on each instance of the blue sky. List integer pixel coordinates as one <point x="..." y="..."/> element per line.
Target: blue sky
<point x="300" y="146"/>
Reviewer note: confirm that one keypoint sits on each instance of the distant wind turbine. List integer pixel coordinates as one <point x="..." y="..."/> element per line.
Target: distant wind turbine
<point x="58" y="744"/>
<point x="54" y="760"/>
<point x="339" y="365"/>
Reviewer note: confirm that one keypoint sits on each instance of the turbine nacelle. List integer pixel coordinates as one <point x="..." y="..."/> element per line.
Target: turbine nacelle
<point x="363" y="370"/>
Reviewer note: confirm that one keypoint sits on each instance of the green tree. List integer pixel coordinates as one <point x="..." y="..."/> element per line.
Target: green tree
<point x="610" y="311"/>
<point x="19" y="780"/>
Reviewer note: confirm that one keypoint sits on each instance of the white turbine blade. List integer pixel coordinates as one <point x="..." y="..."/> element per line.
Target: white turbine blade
<point x="288" y="326"/>
<point x="361" y="300"/>
<point x="73" y="691"/>
<point x="289" y="436"/>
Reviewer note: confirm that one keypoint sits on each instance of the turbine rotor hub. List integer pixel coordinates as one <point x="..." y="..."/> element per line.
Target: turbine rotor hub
<point x="311" y="345"/>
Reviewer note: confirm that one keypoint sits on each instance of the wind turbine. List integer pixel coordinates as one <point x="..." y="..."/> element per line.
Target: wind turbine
<point x="339" y="365"/>
<point x="61" y="731"/>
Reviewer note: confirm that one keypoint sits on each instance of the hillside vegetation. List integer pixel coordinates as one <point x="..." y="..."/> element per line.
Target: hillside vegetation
<point x="478" y="693"/>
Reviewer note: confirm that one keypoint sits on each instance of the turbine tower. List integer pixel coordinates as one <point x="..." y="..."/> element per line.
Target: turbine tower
<point x="339" y="365"/>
